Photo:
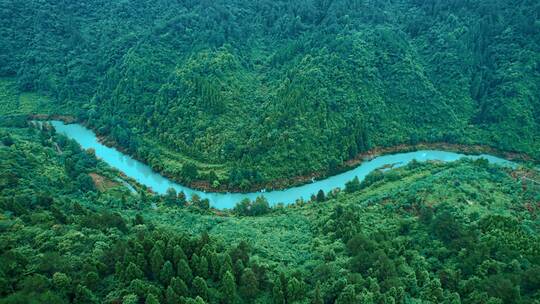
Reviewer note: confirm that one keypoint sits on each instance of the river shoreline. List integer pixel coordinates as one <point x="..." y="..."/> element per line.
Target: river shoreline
<point x="381" y="151"/>
<point x="284" y="183"/>
<point x="300" y="180"/>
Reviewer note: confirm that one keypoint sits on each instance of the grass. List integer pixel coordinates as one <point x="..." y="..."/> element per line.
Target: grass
<point x="173" y="161"/>
<point x="14" y="102"/>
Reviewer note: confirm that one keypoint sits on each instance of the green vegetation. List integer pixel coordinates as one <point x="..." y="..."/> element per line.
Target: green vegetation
<point x="256" y="93"/>
<point x="247" y="94"/>
<point x="461" y="232"/>
<point x="12" y="102"/>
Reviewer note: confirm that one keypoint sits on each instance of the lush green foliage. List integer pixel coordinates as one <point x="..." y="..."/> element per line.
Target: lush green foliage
<point x="241" y="94"/>
<point x="463" y="232"/>
<point x="249" y="92"/>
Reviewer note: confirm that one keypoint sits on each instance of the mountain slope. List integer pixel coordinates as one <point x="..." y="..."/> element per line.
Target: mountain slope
<point x="258" y="93"/>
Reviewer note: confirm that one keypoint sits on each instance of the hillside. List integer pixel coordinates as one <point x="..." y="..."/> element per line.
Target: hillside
<point x="257" y="93"/>
<point x="461" y="232"/>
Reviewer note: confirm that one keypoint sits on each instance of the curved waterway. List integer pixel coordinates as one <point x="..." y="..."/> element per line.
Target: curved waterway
<point x="146" y="176"/>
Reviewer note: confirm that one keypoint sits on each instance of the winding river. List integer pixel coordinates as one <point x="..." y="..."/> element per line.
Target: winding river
<point x="146" y="176"/>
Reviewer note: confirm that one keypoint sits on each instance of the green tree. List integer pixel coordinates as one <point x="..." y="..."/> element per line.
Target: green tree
<point x="347" y="296"/>
<point x="83" y="295"/>
<point x="321" y="197"/>
<point x="166" y="273"/>
<point x="7" y="140"/>
<point x="214" y="266"/>
<point x="243" y="207"/>
<point x="228" y="288"/>
<point x="203" y="204"/>
<point x="171" y="197"/>
<point x="179" y="287"/>
<point x="171" y="297"/>
<point x="178" y="254"/>
<point x="353" y="185"/>
<point x="432" y="291"/>
<point x="184" y="271"/>
<point x="151" y="299"/>
<point x="249" y="285"/>
<point x="333" y="166"/>
<point x="202" y="268"/>
<point x="238" y="268"/>
<point x="139" y="220"/>
<point x="241" y="252"/>
<point x="35" y="283"/>
<point x="195" y="199"/>
<point x="182" y="200"/>
<point x="61" y="282"/>
<point x="85" y="182"/>
<point x="497" y="286"/>
<point x="295" y="290"/>
<point x="91" y="280"/>
<point x="226" y="265"/>
<point x="199" y="300"/>
<point x="317" y="297"/>
<point x="200" y="288"/>
<point x="260" y="206"/>
<point x="278" y="296"/>
<point x="156" y="261"/>
<point x="189" y="172"/>
<point x="130" y="299"/>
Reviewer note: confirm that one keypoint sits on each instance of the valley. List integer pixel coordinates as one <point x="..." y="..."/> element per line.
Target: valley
<point x="269" y="152"/>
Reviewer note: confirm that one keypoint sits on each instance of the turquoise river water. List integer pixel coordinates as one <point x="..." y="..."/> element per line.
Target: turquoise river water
<point x="159" y="184"/>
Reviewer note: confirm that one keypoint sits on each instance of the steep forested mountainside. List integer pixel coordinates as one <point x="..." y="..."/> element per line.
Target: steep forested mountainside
<point x="248" y="92"/>
<point x="461" y="232"/>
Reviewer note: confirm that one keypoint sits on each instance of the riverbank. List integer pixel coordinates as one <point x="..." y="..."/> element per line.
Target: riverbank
<point x="68" y="119"/>
<point x="296" y="181"/>
<point x="284" y="183"/>
<point x="380" y="151"/>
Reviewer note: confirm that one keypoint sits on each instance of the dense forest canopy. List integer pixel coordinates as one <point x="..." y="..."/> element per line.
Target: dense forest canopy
<point x="461" y="232"/>
<point x="237" y="95"/>
<point x="251" y="92"/>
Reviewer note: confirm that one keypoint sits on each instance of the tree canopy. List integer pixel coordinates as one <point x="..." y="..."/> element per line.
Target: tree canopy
<point x="460" y="232"/>
<point x="249" y="94"/>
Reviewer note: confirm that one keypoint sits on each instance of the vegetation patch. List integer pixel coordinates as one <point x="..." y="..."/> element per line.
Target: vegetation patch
<point x="431" y="232"/>
<point x="265" y="100"/>
<point x="102" y="183"/>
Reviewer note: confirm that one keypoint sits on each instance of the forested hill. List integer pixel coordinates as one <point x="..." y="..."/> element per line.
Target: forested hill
<point x="240" y="92"/>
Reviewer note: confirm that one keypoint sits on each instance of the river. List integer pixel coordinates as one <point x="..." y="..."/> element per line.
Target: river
<point x="159" y="184"/>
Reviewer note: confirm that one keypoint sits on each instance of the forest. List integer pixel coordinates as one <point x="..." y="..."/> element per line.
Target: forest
<point x="429" y="232"/>
<point x="239" y="95"/>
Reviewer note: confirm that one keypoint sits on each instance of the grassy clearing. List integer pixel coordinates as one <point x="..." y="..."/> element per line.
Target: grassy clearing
<point x="14" y="102"/>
